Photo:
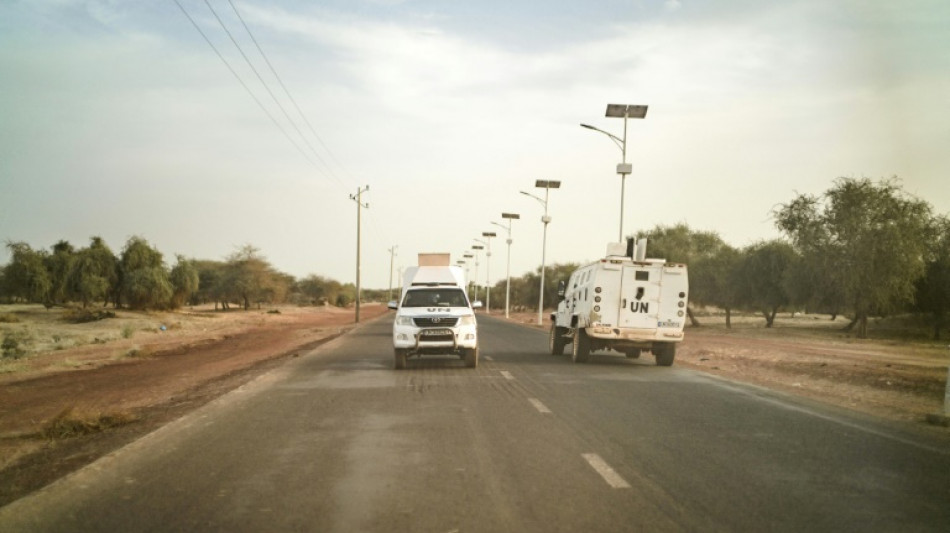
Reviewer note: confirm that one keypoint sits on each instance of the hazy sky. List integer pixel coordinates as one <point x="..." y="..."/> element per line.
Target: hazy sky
<point x="117" y="119"/>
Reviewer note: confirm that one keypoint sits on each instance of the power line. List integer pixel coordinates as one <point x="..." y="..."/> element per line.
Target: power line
<point x="287" y="92"/>
<point x="280" y="81"/>
<point x="268" y="89"/>
<point x="246" y="88"/>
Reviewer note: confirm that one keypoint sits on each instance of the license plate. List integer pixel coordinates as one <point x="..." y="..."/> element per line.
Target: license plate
<point x="436" y="332"/>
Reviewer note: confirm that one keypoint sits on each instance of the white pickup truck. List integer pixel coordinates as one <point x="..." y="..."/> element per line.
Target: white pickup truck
<point x="433" y="314"/>
<point x="623" y="302"/>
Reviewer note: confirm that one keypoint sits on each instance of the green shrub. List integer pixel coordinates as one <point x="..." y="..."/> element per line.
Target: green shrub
<point x="128" y="331"/>
<point x="12" y="345"/>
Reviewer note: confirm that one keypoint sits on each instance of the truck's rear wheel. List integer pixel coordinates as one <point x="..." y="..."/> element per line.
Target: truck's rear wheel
<point x="664" y="352"/>
<point x="581" y="348"/>
<point x="400" y="362"/>
<point x="471" y="357"/>
<point x="557" y="341"/>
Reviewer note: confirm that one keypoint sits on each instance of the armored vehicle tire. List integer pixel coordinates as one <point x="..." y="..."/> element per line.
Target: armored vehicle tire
<point x="471" y="357"/>
<point x="557" y="341"/>
<point x="581" y="348"/>
<point x="664" y="353"/>
<point x="400" y="362"/>
<point x="632" y="353"/>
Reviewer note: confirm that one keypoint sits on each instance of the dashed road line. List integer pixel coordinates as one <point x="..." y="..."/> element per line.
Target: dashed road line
<point x="507" y="374"/>
<point x="609" y="474"/>
<point x="539" y="406"/>
<point x="487" y="358"/>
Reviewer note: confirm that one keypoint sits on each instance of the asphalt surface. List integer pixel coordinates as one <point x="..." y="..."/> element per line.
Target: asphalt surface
<point x="338" y="441"/>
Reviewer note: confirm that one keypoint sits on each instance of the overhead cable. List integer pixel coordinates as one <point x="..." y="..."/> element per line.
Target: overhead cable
<point x="248" y="89"/>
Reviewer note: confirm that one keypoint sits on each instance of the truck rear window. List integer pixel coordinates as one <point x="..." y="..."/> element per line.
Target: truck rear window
<point x="435" y="298"/>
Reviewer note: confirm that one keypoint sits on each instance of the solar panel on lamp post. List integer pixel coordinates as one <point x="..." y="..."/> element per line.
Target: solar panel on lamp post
<point x="624" y="168"/>
<point x="547" y="185"/>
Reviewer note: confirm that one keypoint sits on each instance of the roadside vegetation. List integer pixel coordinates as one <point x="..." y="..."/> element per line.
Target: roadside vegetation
<point x="138" y="278"/>
<point x="861" y="250"/>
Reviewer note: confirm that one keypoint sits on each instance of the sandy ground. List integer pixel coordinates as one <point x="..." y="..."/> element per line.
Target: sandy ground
<point x="145" y="369"/>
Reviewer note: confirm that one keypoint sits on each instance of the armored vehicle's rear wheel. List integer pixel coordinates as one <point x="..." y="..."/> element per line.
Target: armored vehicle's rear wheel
<point x="400" y="362"/>
<point x="471" y="357"/>
<point x="557" y="341"/>
<point x="581" y="349"/>
<point x="664" y="353"/>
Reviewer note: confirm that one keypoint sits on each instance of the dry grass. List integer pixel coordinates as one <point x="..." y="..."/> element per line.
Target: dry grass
<point x="73" y="422"/>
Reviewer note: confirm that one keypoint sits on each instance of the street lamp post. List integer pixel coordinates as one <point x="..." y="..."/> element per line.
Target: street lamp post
<point x="547" y="185"/>
<point x="488" y="236"/>
<point x="477" y="248"/>
<point x="468" y="256"/>
<point x="509" y="217"/>
<point x="624" y="168"/>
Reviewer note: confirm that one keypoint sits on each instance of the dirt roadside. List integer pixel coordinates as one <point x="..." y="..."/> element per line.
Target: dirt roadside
<point x="147" y="370"/>
<point x="172" y="364"/>
<point x="811" y="356"/>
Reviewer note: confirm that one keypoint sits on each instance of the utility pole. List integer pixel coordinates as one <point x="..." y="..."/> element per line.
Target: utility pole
<point x="392" y="257"/>
<point x="358" y="198"/>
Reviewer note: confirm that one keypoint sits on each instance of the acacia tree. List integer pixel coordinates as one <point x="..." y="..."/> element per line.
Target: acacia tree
<point x="211" y="287"/>
<point x="144" y="278"/>
<point x="59" y="265"/>
<point x="933" y="289"/>
<point x="95" y="272"/>
<point x="712" y="280"/>
<point x="868" y="240"/>
<point x="184" y="279"/>
<point x="318" y="290"/>
<point x="248" y="275"/>
<point x="26" y="275"/>
<point x="760" y="277"/>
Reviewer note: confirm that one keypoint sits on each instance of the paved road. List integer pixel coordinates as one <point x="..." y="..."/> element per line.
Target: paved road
<point x="337" y="441"/>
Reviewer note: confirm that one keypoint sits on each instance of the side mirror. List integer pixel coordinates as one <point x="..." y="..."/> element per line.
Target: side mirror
<point x="393" y="304"/>
<point x="477" y="304"/>
<point x="561" y="286"/>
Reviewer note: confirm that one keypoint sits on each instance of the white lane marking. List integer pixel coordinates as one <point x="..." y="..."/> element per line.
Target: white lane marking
<point x="538" y="405"/>
<point x="610" y="476"/>
<point x="507" y="374"/>
<point x="488" y="358"/>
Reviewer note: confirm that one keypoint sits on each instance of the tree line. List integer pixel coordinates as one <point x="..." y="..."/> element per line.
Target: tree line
<point x="861" y="249"/>
<point x="138" y="278"/>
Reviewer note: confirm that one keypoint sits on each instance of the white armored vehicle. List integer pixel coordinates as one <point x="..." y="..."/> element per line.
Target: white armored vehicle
<point x="433" y="313"/>
<point x="623" y="302"/>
